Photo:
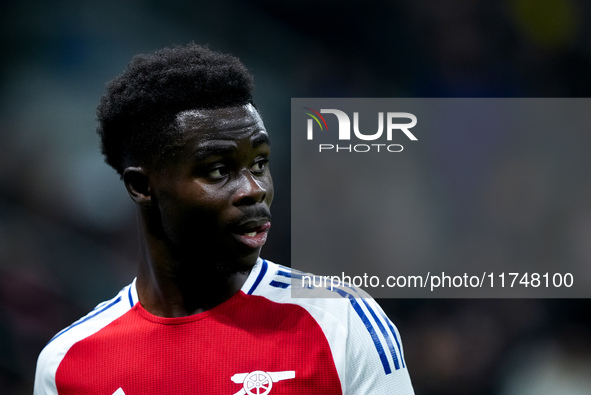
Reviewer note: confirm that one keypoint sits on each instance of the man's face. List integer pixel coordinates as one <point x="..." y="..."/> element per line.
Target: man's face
<point x="215" y="190"/>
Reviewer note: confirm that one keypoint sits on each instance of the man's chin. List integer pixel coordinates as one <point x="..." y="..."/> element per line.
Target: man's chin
<point x="240" y="265"/>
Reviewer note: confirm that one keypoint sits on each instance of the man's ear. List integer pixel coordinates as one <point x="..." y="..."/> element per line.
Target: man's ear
<point x="138" y="186"/>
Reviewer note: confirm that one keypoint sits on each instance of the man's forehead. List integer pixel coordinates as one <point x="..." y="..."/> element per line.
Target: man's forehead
<point x="226" y="118"/>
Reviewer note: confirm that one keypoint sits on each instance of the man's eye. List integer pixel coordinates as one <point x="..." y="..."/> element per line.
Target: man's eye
<point x="259" y="166"/>
<point x="217" y="173"/>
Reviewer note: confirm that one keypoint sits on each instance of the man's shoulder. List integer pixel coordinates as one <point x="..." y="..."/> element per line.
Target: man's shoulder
<point x="104" y="313"/>
<point x="334" y="305"/>
<point x="269" y="278"/>
<point x="101" y="316"/>
<point x="354" y="324"/>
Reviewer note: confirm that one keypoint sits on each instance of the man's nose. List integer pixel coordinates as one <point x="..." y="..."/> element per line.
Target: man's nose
<point x="250" y="190"/>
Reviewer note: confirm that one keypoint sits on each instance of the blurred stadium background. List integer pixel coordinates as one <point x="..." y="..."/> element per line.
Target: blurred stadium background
<point x="67" y="228"/>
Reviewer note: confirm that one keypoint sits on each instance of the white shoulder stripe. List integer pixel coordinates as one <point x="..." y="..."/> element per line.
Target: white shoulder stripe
<point x="98" y="310"/>
<point x="380" y="329"/>
<point x="53" y="353"/>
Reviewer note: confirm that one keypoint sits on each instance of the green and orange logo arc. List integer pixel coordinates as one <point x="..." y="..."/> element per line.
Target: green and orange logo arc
<point x="315" y="116"/>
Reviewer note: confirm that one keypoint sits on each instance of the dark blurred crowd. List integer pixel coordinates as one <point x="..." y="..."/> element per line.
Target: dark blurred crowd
<point x="67" y="229"/>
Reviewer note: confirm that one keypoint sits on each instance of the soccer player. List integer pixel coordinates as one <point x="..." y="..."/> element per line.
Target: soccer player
<point x="206" y="314"/>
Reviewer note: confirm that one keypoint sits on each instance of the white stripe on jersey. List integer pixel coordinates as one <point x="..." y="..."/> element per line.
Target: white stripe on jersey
<point x="53" y="353"/>
<point x="366" y="345"/>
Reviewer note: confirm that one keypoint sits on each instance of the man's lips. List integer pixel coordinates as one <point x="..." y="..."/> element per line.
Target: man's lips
<point x="253" y="234"/>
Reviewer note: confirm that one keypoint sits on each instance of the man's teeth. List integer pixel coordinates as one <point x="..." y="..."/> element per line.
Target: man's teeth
<point x="251" y="234"/>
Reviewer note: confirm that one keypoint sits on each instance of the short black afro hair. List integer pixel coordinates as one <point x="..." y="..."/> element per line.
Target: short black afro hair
<point x="137" y="114"/>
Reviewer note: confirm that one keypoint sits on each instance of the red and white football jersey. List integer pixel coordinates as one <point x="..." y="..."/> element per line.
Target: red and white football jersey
<point x="261" y="341"/>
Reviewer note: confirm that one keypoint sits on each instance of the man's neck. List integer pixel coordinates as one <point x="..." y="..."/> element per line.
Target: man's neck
<point x="176" y="285"/>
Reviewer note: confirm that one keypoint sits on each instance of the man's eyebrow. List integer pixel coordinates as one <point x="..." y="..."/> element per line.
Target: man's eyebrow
<point x="260" y="138"/>
<point x="207" y="150"/>
<point x="220" y="148"/>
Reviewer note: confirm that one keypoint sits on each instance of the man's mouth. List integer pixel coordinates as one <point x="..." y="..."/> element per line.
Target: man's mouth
<point x="258" y="229"/>
<point x="254" y="236"/>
